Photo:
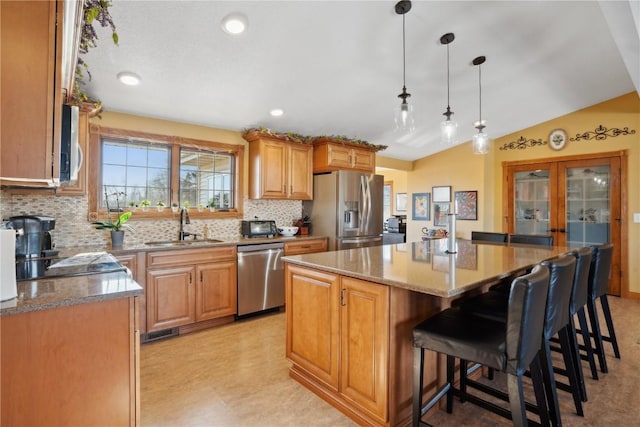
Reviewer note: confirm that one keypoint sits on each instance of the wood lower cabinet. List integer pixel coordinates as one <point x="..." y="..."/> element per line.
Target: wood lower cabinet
<point x="338" y="333"/>
<point x="188" y="286"/>
<point x="331" y="156"/>
<point x="71" y="366"/>
<point x="306" y="246"/>
<point x="279" y="169"/>
<point x="350" y="342"/>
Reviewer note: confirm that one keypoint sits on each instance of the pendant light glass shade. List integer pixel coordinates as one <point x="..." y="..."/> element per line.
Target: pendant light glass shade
<point x="404" y="112"/>
<point x="480" y="140"/>
<point x="448" y="128"/>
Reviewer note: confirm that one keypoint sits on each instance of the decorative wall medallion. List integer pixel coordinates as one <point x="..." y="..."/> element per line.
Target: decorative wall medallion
<point x="522" y="143"/>
<point x="600" y="133"/>
<point x="557" y="139"/>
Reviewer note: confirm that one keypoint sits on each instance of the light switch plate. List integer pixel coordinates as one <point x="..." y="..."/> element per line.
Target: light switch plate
<point x="636" y="217"/>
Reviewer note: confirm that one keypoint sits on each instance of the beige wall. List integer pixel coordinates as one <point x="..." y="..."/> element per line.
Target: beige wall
<point x="463" y="170"/>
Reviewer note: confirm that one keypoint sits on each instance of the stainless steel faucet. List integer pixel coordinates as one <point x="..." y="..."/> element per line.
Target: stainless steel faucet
<point x="184" y="219"/>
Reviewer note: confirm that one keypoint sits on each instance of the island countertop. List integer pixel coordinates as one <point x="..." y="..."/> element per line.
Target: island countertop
<point x="426" y="267"/>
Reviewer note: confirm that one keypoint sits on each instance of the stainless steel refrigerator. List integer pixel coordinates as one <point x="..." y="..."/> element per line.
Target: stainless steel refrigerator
<point x="347" y="207"/>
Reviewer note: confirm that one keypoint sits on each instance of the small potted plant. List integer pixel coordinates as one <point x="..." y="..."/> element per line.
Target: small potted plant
<point x="174" y="207"/>
<point x="212" y="205"/>
<point x="144" y="204"/>
<point x="132" y="206"/>
<point x="160" y="205"/>
<point x="117" y="232"/>
<point x="186" y="204"/>
<point x="200" y="207"/>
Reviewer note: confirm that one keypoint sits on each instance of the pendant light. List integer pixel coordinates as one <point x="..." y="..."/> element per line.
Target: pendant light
<point x="404" y="113"/>
<point x="480" y="141"/>
<point x="448" y="128"/>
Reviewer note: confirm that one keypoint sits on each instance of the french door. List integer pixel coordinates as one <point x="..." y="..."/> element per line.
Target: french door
<point x="577" y="201"/>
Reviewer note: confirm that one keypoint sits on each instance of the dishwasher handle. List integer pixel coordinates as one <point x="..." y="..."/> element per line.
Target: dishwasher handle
<point x="260" y="247"/>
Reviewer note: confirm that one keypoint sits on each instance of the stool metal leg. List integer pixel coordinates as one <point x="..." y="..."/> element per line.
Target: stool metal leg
<point x="575" y="356"/>
<point x="597" y="335"/>
<point x="571" y="369"/>
<point x="586" y="339"/>
<point x="418" y="375"/>
<point x="604" y="301"/>
<point x="538" y="388"/>
<point x="549" y="383"/>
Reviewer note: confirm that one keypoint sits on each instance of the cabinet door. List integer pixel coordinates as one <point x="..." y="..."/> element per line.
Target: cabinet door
<point x="363" y="160"/>
<point x="300" y="164"/>
<point x="30" y="108"/>
<point x="273" y="170"/>
<point x="339" y="156"/>
<point x="365" y="345"/>
<point x="313" y="322"/>
<point x="215" y="290"/>
<point x="170" y="297"/>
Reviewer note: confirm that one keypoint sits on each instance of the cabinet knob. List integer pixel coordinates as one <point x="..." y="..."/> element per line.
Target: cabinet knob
<point x="553" y="230"/>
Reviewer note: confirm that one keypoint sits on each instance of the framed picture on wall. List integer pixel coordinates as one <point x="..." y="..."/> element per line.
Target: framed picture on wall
<point x="440" y="214"/>
<point x="441" y="194"/>
<point x="466" y="205"/>
<point x="421" y="206"/>
<point x="401" y="202"/>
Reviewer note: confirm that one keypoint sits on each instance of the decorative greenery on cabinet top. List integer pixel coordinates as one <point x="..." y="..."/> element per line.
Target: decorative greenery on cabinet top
<point x="252" y="134"/>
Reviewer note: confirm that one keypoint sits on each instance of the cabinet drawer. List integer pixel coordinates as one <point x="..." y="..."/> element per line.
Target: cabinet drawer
<point x="190" y="256"/>
<point x="305" y="247"/>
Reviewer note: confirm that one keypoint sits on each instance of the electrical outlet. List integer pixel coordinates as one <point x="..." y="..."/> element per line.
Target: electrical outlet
<point x="636" y="217"/>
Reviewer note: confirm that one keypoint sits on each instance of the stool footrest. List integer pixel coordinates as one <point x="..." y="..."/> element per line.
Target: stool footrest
<point x="435" y="399"/>
<point x="495" y="393"/>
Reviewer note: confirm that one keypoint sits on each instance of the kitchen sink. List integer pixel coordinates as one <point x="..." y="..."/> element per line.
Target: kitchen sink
<point x="182" y="242"/>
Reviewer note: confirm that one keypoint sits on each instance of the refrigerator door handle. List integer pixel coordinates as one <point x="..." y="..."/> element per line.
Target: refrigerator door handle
<point x="366" y="204"/>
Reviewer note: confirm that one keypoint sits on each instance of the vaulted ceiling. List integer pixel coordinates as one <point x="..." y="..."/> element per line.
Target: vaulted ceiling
<point x="335" y="67"/>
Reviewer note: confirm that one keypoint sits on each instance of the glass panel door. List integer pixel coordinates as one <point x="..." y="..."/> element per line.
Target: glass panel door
<point x="531" y="188"/>
<point x="588" y="205"/>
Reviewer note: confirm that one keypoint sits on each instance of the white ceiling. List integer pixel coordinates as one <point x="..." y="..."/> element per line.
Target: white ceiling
<point x="335" y="67"/>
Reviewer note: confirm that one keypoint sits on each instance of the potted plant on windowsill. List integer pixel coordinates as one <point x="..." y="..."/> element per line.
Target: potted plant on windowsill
<point x="144" y="204"/>
<point x="117" y="232"/>
<point x="174" y="207"/>
<point x="160" y="205"/>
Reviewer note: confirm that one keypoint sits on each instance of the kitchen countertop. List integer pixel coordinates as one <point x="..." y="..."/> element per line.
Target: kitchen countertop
<point x="425" y="266"/>
<point x="44" y="294"/>
<point x="186" y="244"/>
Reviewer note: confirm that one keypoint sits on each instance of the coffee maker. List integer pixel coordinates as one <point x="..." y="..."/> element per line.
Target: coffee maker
<point x="34" y="248"/>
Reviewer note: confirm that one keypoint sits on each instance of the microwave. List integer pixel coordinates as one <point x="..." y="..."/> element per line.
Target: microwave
<point x="258" y="228"/>
<point x="70" y="151"/>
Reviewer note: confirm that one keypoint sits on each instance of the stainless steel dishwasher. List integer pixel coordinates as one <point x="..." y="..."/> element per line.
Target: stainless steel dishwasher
<point x="260" y="277"/>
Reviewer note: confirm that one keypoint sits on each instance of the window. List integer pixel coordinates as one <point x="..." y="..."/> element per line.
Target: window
<point x="129" y="167"/>
<point x="133" y="172"/>
<point x="206" y="178"/>
<point x="386" y="200"/>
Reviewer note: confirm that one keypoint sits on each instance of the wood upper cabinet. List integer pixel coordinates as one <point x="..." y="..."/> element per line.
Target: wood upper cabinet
<point x="338" y="331"/>
<point x="188" y="286"/>
<point x="31" y="104"/>
<point x="330" y="156"/>
<point x="306" y="246"/>
<point x="279" y="169"/>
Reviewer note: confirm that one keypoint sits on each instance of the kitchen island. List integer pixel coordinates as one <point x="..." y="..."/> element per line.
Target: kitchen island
<point x="70" y="352"/>
<point x="350" y="316"/>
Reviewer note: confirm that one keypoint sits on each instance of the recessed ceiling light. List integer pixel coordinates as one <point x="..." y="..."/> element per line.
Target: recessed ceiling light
<point x="128" y="78"/>
<point x="235" y="23"/>
<point x="276" y="112"/>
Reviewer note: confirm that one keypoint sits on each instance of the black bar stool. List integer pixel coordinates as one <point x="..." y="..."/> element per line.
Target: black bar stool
<point x="488" y="236"/>
<point x="511" y="347"/>
<point x="494" y="304"/>
<point x="598" y="286"/>
<point x="532" y="239"/>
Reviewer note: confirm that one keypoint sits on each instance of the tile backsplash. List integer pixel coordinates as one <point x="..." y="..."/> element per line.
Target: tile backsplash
<point x="73" y="229"/>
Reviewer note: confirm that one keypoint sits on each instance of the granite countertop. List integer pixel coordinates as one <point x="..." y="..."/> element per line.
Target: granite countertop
<point x="44" y="294"/>
<point x="426" y="267"/>
<point x="186" y="244"/>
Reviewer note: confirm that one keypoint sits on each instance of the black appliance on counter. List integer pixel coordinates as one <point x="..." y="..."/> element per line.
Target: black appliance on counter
<point x="33" y="239"/>
<point x="258" y="228"/>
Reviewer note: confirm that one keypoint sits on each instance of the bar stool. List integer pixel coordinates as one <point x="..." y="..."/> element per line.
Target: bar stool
<point x="578" y="302"/>
<point x="511" y="347"/>
<point x="488" y="236"/>
<point x="598" y="286"/>
<point x="493" y="305"/>
<point x="532" y="239"/>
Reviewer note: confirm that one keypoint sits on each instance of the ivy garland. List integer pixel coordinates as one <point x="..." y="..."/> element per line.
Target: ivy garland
<point x="302" y="139"/>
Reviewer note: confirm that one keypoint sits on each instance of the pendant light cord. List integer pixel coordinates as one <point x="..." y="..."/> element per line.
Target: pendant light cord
<point x="448" y="107"/>
<point x="404" y="64"/>
<point x="480" y="91"/>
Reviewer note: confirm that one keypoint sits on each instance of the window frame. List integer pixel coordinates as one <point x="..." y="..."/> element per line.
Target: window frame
<point x="97" y="133"/>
